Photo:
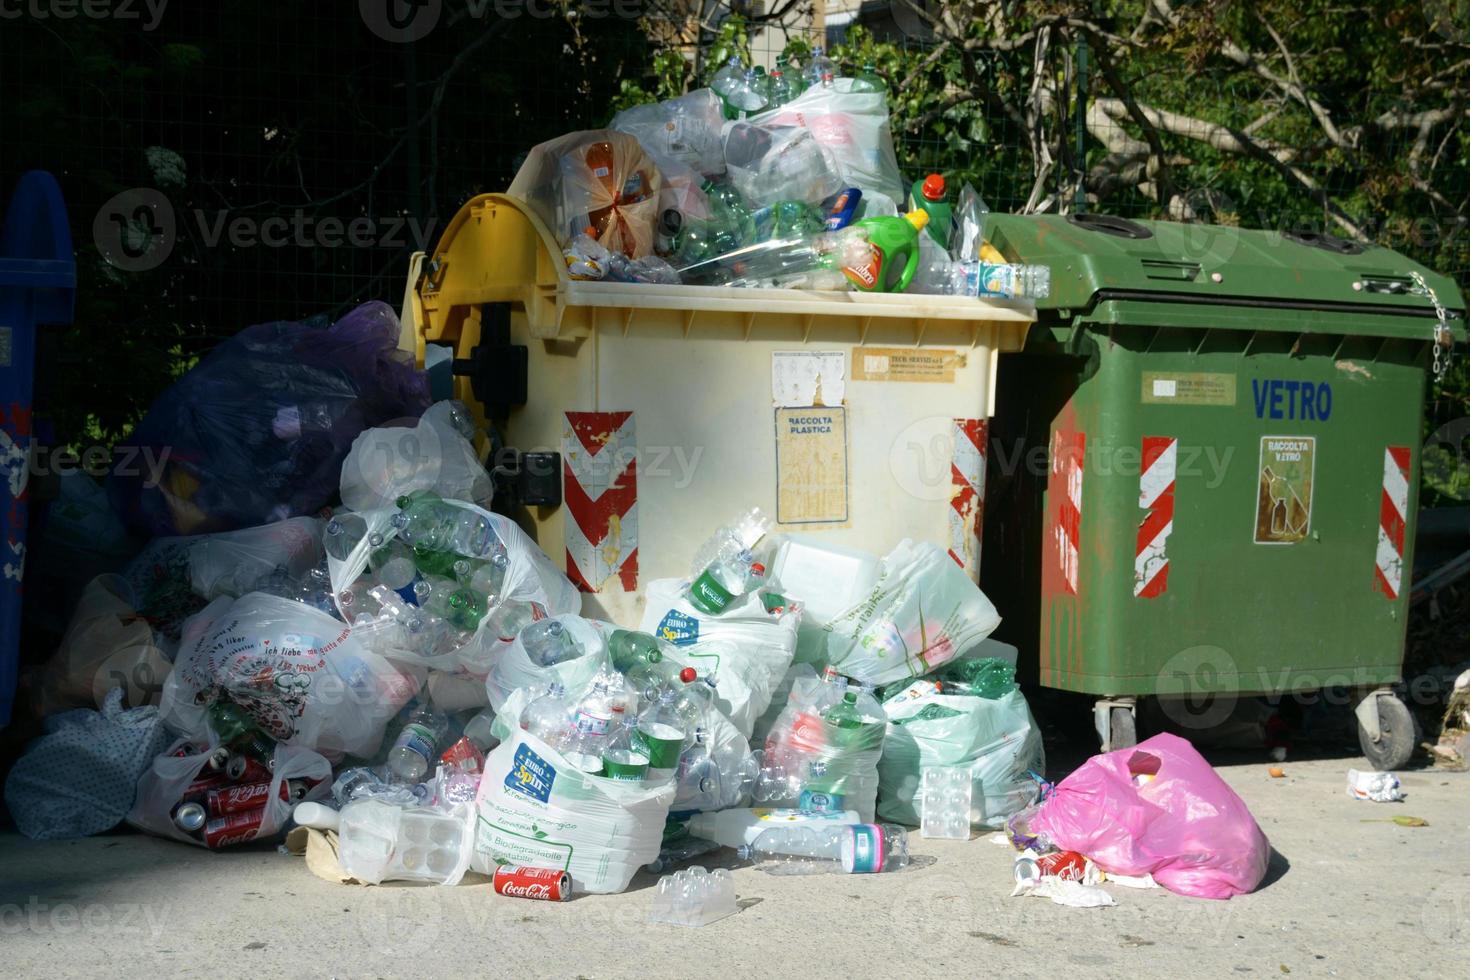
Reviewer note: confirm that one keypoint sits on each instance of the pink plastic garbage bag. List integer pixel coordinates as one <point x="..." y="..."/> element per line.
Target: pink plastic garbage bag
<point x="1158" y="808"/>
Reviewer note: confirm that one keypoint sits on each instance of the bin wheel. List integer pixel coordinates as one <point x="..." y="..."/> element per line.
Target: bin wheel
<point x="1122" y="729"/>
<point x="1398" y="734"/>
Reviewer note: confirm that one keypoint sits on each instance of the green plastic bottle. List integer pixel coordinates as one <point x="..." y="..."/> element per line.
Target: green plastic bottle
<point x="929" y="196"/>
<point x="892" y="255"/>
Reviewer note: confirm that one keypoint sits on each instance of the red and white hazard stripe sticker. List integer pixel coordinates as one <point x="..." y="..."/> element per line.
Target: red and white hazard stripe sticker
<point x="1068" y="454"/>
<point x="1393" y="508"/>
<point x="600" y="469"/>
<point x="967" y="501"/>
<point x="1155" y="495"/>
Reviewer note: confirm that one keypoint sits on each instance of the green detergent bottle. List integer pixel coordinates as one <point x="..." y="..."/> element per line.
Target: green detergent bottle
<point x="929" y="195"/>
<point x="886" y="261"/>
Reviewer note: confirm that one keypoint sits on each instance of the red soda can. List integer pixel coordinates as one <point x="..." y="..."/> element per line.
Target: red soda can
<point x="1066" y="865"/>
<point x="202" y="786"/>
<point x="464" y="755"/>
<point x="545" y="884"/>
<point x="233" y="828"/>
<point x="243" y="769"/>
<point x="238" y="799"/>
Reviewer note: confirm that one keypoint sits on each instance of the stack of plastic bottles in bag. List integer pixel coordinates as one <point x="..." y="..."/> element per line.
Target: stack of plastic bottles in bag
<point x="785" y="178"/>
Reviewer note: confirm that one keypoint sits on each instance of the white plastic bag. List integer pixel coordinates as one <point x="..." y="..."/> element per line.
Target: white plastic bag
<point x="853" y="127"/>
<point x="923" y="612"/>
<point x="996" y="739"/>
<point x="233" y="563"/>
<point x="163" y="784"/>
<point x="682" y="132"/>
<point x="745" y="648"/>
<point x="79" y="778"/>
<point x="808" y="752"/>
<point x="536" y="809"/>
<point x="302" y="675"/>
<point x="387" y="462"/>
<point x="533" y="589"/>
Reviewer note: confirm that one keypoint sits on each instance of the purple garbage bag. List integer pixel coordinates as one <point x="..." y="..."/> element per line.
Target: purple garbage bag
<point x="256" y="432"/>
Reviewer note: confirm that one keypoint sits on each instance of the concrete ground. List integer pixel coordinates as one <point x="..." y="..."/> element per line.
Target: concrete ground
<point x="1349" y="894"/>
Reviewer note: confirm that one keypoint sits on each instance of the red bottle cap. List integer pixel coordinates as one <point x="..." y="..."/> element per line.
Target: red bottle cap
<point x="933" y="188"/>
<point x="757" y="568"/>
<point x="688" y="675"/>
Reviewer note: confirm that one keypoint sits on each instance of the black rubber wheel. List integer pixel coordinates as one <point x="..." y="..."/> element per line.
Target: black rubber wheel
<point x="1399" y="735"/>
<point x="1122" y="729"/>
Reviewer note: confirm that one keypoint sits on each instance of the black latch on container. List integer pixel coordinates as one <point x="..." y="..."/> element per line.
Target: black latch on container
<point x="497" y="369"/>
<point x="527" y="479"/>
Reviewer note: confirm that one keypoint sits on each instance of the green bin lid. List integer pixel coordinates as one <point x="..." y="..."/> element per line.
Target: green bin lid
<point x="1099" y="260"/>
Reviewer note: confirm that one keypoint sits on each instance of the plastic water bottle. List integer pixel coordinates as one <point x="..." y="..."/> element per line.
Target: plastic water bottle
<point x="591" y="723"/>
<point x="413" y="751"/>
<point x="739" y="828"/>
<point x="625" y="755"/>
<point x="394" y="566"/>
<point x="724" y="581"/>
<point x="548" y="642"/>
<point x="725" y="81"/>
<point x="342" y="534"/>
<point x="545" y="716"/>
<point x="863" y="848"/>
<point x="438" y="529"/>
<point x="663" y="730"/>
<point x="819" y="70"/>
<point x="1003" y="280"/>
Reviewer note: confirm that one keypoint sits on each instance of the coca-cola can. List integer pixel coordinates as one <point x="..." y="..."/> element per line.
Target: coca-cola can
<point x="545" y="884"/>
<point x="233" y="828"/>
<point x="190" y="817"/>
<point x="243" y="769"/>
<point x="1066" y="865"/>
<point x="248" y="796"/>
<point x="202" y="786"/>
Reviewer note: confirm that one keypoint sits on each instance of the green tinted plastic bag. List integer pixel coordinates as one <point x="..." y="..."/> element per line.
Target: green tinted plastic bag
<point x="996" y="739"/>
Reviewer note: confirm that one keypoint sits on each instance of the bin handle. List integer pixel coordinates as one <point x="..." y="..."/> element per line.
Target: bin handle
<point x="1444" y="339"/>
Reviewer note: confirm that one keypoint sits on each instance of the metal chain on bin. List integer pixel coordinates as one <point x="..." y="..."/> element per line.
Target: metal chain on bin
<point x="1444" y="340"/>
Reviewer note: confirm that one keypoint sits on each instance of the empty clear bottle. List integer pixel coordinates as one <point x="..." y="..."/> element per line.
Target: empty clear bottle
<point x="1003" y="280"/>
<point x="724" y="581"/>
<point x="624" y="756"/>
<point x="591" y="722"/>
<point x="342" y="534"/>
<point x="394" y="566"/>
<point x="415" y="748"/>
<point x="816" y="848"/>
<point x="747" y="96"/>
<point x="546" y="717"/>
<point x="432" y="526"/>
<point x="663" y="729"/>
<point x="726" y="81"/>
<point x="819" y="69"/>
<point x="548" y="642"/>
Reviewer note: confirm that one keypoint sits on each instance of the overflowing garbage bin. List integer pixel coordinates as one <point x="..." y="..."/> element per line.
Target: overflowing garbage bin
<point x="632" y="412"/>
<point x="1232" y="422"/>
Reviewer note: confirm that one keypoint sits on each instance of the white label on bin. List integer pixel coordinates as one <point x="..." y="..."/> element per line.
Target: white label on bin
<point x="802" y="378"/>
<point x="1165" y="387"/>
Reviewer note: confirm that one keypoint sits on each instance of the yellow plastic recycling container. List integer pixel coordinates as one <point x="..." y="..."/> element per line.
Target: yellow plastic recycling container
<point x="631" y="420"/>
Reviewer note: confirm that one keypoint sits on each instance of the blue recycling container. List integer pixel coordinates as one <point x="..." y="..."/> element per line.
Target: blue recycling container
<point x="38" y="279"/>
